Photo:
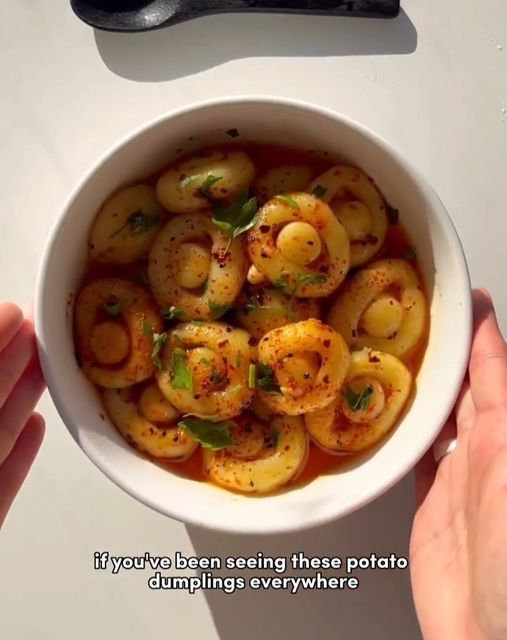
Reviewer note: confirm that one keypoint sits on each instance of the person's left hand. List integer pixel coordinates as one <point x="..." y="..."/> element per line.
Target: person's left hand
<point x="21" y="385"/>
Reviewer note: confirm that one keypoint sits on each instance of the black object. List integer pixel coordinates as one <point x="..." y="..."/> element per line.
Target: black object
<point x="145" y="15"/>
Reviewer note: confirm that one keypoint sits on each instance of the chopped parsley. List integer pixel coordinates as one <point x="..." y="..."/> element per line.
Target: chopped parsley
<point x="212" y="435"/>
<point x="181" y="376"/>
<point x="113" y="306"/>
<point x="236" y="218"/>
<point x="137" y="223"/>
<point x="358" y="401"/>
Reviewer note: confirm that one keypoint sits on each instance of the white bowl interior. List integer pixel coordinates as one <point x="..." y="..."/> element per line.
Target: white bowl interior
<point x="441" y="259"/>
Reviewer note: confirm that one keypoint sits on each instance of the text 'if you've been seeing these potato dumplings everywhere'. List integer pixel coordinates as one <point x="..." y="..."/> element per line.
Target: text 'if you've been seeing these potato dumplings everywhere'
<point x="249" y="312"/>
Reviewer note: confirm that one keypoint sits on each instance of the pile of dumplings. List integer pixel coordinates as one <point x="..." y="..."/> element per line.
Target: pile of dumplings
<point x="246" y="312"/>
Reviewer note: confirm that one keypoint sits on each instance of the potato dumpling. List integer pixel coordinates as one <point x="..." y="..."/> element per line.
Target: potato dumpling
<point x="357" y="203"/>
<point x="160" y="439"/>
<point x="212" y="176"/>
<point x="372" y="397"/>
<point x="126" y="226"/>
<point x="261" y="309"/>
<point x="206" y="369"/>
<point x="114" y="323"/>
<point x="301" y="367"/>
<point x="265" y="455"/>
<point x="286" y="178"/>
<point x="300" y="246"/>
<point x="382" y="307"/>
<point x="193" y="267"/>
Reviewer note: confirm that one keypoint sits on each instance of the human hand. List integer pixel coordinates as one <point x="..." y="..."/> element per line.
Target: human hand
<point x="458" y="548"/>
<point x="21" y="384"/>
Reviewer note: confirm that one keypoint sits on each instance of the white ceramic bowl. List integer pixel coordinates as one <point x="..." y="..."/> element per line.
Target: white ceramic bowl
<point x="298" y="124"/>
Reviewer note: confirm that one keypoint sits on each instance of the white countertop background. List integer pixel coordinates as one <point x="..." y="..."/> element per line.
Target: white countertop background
<point x="433" y="82"/>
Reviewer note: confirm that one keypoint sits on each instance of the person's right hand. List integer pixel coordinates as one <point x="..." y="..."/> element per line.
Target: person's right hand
<point x="21" y="384"/>
<point x="459" y="538"/>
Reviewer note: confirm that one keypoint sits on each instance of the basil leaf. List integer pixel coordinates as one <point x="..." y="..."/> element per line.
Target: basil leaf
<point x="266" y="379"/>
<point x="212" y="435"/>
<point x="181" y="376"/>
<point x="319" y="191"/>
<point x="288" y="200"/>
<point x="280" y="283"/>
<point x="358" y="401"/>
<point x="114" y="307"/>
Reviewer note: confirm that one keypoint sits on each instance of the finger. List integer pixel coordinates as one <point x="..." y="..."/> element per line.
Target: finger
<point x="444" y="438"/>
<point x="14" y="359"/>
<point x="11" y="320"/>
<point x="465" y="409"/>
<point x="488" y="360"/>
<point x="15" y="469"/>
<point x="19" y="407"/>
<point x="425" y="472"/>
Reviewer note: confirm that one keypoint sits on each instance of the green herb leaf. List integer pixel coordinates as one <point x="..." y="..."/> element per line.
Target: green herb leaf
<point x="319" y="191"/>
<point x="212" y="435"/>
<point x="159" y="340"/>
<point x="204" y="361"/>
<point x="301" y="279"/>
<point x="209" y="182"/>
<point x="288" y="200"/>
<point x="392" y="214"/>
<point x="409" y="254"/>
<point x="238" y="361"/>
<point x="138" y="222"/>
<point x="252" y="376"/>
<point x="181" y="376"/>
<point x="233" y="133"/>
<point x="358" y="401"/>
<point x="113" y="306"/>
<point x="251" y="304"/>
<point x="147" y="329"/>
<point x="238" y="217"/>
<point x="280" y="283"/>
<point x="218" y="310"/>
<point x="275" y="436"/>
<point x="266" y="379"/>
<point x="171" y="313"/>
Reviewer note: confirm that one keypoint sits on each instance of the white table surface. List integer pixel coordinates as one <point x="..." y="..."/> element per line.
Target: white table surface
<point x="434" y="82"/>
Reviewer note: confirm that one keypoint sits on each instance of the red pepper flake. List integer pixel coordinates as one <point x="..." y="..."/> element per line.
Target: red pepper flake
<point x="327" y="343"/>
<point x="373" y="359"/>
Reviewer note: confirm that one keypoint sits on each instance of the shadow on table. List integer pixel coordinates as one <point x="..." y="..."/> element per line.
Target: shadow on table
<point x="381" y="608"/>
<point x="201" y="44"/>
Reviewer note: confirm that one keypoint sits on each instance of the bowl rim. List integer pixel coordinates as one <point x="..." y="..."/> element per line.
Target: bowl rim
<point x="460" y="364"/>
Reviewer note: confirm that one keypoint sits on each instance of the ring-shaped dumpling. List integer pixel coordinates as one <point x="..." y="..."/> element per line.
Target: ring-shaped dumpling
<point x="264" y="457"/>
<point x="285" y="178"/>
<point x="381" y="307"/>
<point x="373" y="395"/>
<point x="211" y="176"/>
<point x="359" y="206"/>
<point x="178" y="259"/>
<point x="301" y="366"/>
<point x="299" y="244"/>
<point x="157" y="439"/>
<point x="206" y="368"/>
<point x="126" y="226"/>
<point x="115" y="350"/>
<point x="262" y="309"/>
